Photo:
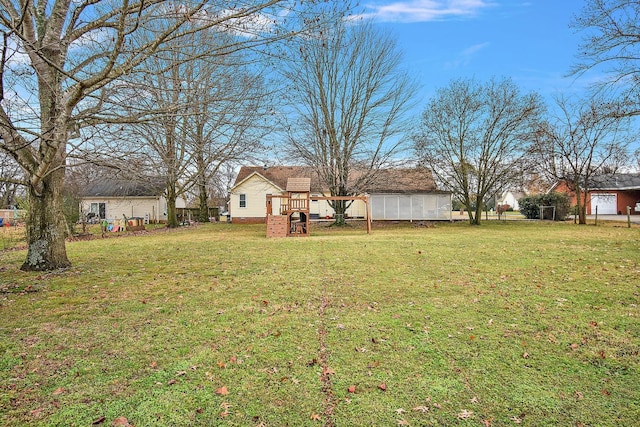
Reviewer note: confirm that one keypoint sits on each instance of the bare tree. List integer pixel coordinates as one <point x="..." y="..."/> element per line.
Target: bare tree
<point x="585" y="139"/>
<point x="226" y="118"/>
<point x="474" y="137"/>
<point x="59" y="59"/>
<point x="612" y="43"/>
<point x="348" y="96"/>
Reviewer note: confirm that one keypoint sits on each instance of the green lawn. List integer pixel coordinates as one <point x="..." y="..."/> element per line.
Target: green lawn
<point x="504" y="324"/>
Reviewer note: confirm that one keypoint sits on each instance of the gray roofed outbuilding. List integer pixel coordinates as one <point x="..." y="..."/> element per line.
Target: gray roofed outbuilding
<point x="124" y="188"/>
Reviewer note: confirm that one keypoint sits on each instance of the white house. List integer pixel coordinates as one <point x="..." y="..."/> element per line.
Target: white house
<point x="395" y="194"/>
<point x="113" y="199"/>
<point x="511" y="197"/>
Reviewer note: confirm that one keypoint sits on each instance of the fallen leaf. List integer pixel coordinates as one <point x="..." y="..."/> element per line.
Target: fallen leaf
<point x="36" y="412"/>
<point x="316" y="417"/>
<point x="422" y="409"/>
<point x="403" y="423"/>
<point x="224" y="414"/>
<point x="574" y="346"/>
<point x="525" y="355"/>
<point x="400" y="410"/>
<point x="579" y="395"/>
<point x="327" y="371"/>
<point x="437" y="405"/>
<point x="222" y="391"/>
<point x="464" y="414"/>
<point x="121" y="422"/>
<point x="172" y="381"/>
<point x="98" y="421"/>
<point x="153" y="365"/>
<point x="199" y="410"/>
<point x="222" y="365"/>
<point x="605" y="392"/>
<point x="487" y="422"/>
<point x="382" y="387"/>
<point x="352" y="389"/>
<point x="58" y="391"/>
<point x="516" y="420"/>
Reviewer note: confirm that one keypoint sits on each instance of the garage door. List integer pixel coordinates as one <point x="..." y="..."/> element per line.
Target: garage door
<point x="607" y="203"/>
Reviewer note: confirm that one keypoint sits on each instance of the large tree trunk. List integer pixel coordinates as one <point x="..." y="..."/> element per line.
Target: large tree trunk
<point x="46" y="227"/>
<point x="340" y="209"/>
<point x="172" y="212"/>
<point x="581" y="205"/>
<point x="475" y="220"/>
<point x="203" y="205"/>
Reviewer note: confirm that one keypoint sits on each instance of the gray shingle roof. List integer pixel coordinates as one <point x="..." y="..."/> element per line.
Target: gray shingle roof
<point x="124" y="188"/>
<point x="620" y="181"/>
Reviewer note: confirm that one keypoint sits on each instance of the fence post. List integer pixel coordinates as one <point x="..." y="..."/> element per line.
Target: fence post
<point x="596" y="215"/>
<point x="628" y="216"/>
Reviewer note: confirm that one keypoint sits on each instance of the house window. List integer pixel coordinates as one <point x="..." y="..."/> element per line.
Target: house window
<point x="98" y="210"/>
<point x="243" y="200"/>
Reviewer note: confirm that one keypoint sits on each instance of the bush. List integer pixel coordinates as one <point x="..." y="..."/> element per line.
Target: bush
<point x="530" y="205"/>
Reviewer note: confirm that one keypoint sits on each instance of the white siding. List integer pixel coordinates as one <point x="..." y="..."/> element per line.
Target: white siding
<point x="153" y="209"/>
<point x="256" y="189"/>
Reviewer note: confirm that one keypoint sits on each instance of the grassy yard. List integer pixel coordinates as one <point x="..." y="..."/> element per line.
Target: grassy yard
<point x="506" y="324"/>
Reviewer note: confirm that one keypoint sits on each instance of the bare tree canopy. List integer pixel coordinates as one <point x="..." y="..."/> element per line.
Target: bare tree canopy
<point x="612" y="43"/>
<point x="58" y="64"/>
<point x="585" y="139"/>
<point x="348" y="96"/>
<point x="474" y="137"/>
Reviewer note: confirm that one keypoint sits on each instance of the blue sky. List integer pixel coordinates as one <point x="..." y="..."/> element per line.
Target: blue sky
<point x="528" y="41"/>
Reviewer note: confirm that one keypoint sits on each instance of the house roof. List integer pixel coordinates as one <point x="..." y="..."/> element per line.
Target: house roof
<point x="279" y="175"/>
<point x="393" y="180"/>
<point x="299" y="185"/>
<point x="402" y="180"/>
<point x="124" y="188"/>
<point x="620" y="181"/>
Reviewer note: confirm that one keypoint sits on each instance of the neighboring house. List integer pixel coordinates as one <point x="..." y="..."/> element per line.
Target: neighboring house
<point x="611" y="194"/>
<point x="511" y="197"/>
<point x="113" y="199"/>
<point x="395" y="194"/>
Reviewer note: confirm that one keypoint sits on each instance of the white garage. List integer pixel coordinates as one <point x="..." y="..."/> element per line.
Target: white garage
<point x="606" y="203"/>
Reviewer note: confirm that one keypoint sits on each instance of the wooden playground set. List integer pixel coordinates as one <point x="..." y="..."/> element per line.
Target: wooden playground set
<point x="293" y="217"/>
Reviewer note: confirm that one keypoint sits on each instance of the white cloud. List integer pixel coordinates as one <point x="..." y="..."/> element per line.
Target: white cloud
<point x="426" y="10"/>
<point x="464" y="57"/>
<point x="471" y="50"/>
